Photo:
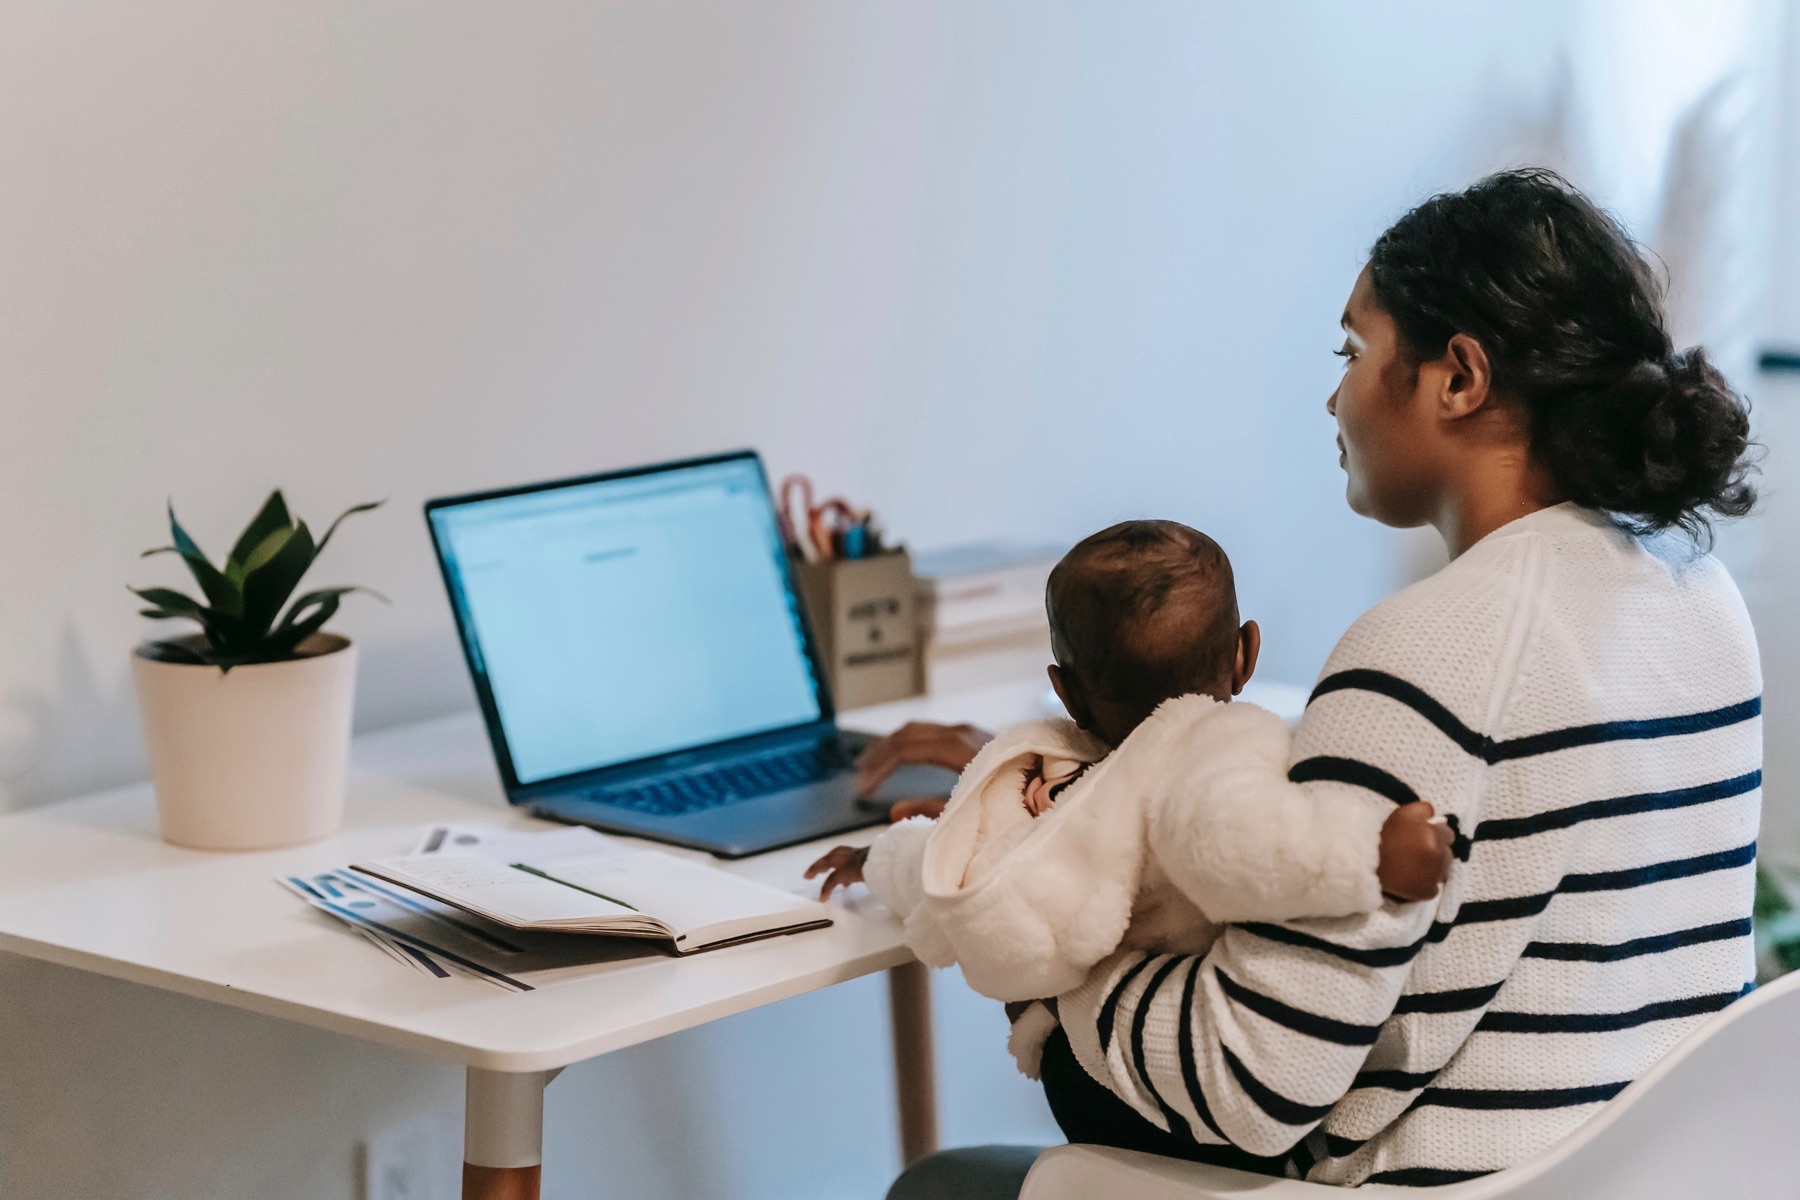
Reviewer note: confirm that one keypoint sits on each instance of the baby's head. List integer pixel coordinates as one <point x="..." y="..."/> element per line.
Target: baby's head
<point x="1140" y="613"/>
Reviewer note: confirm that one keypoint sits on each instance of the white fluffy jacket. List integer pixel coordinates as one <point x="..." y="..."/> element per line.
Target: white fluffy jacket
<point x="1189" y="824"/>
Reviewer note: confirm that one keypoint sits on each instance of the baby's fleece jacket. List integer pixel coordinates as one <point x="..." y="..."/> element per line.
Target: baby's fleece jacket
<point x="1188" y="825"/>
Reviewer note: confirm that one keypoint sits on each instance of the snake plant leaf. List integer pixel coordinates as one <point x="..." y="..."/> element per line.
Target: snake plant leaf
<point x="317" y="607"/>
<point x="220" y="593"/>
<point x="272" y="516"/>
<point x="174" y="652"/>
<point x="351" y="511"/>
<point x="321" y="594"/>
<point x="239" y="569"/>
<point x="299" y="624"/>
<point x="221" y="630"/>
<point x="268" y="585"/>
<point x="173" y="601"/>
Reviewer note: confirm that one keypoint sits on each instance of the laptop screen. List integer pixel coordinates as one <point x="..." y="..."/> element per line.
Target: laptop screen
<point x="623" y="618"/>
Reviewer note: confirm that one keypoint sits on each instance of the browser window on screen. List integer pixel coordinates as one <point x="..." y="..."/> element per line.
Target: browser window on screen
<point x="630" y="617"/>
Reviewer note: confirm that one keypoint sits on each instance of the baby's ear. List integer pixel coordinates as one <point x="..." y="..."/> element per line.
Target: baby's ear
<point x="1249" y="647"/>
<point x="1068" y="690"/>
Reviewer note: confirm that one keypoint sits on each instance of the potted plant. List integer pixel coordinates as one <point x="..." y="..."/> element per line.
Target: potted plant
<point x="1777" y="926"/>
<point x="247" y="721"/>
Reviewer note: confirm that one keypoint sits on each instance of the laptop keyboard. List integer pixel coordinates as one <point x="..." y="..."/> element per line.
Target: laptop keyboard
<point x="727" y="783"/>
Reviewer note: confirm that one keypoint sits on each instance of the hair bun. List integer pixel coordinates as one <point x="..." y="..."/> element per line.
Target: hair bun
<point x="1663" y="442"/>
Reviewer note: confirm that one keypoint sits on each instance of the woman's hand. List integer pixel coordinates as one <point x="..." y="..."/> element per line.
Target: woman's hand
<point x="841" y="868"/>
<point x="918" y="743"/>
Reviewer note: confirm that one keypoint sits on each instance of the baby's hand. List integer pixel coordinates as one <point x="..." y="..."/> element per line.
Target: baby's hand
<point x="1037" y="788"/>
<point x="845" y="867"/>
<point x="1041" y="785"/>
<point x="1415" y="852"/>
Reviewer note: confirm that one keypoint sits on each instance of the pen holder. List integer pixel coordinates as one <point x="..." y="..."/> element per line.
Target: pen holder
<point x="865" y="617"/>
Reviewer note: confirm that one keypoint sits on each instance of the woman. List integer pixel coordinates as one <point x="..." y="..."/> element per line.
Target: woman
<point x="1579" y="688"/>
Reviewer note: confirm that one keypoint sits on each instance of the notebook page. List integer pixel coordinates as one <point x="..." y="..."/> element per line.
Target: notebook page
<point x="510" y="895"/>
<point x="701" y="903"/>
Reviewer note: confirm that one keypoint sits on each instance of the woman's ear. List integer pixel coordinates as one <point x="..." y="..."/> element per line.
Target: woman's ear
<point x="1249" y="646"/>
<point x="1068" y="690"/>
<point x="1467" y="378"/>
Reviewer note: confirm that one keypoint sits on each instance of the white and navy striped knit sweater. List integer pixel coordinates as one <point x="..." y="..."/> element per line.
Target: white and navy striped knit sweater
<point x="1587" y="707"/>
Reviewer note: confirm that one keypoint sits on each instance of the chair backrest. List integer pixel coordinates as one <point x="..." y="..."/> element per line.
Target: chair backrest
<point x="1718" y="1116"/>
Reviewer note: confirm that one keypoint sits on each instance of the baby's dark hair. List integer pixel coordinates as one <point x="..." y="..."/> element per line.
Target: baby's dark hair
<point x="1570" y="315"/>
<point x="1145" y="611"/>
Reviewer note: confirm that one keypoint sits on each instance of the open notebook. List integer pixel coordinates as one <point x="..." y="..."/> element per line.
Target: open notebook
<point x="623" y="891"/>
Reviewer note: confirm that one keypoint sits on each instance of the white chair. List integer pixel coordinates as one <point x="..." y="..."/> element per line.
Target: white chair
<point x="1718" y="1116"/>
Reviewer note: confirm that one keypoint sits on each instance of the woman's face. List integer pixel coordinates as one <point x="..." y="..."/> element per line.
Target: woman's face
<point x="1389" y="444"/>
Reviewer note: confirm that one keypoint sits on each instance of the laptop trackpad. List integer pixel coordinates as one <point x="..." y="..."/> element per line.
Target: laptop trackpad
<point x="912" y="781"/>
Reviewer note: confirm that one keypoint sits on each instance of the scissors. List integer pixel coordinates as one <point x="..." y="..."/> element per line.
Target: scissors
<point x="820" y="533"/>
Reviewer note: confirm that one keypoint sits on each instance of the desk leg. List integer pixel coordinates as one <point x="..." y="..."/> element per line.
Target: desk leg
<point x="915" y="1070"/>
<point x="503" y="1135"/>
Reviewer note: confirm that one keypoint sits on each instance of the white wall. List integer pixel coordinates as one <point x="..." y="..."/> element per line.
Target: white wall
<point x="1784" y="310"/>
<point x="1777" y="399"/>
<point x="996" y="267"/>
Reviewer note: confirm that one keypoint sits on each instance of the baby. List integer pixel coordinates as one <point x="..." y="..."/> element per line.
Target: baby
<point x="1152" y="817"/>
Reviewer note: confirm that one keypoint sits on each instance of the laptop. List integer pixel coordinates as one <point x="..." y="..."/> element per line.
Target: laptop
<point x="644" y="663"/>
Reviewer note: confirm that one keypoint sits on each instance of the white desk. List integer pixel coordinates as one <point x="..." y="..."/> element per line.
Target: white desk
<point x="88" y="884"/>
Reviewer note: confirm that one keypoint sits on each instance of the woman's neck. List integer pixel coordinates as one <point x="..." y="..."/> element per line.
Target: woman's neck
<point x="1490" y="494"/>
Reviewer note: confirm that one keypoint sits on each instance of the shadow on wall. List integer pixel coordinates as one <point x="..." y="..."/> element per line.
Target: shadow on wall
<point x="81" y="734"/>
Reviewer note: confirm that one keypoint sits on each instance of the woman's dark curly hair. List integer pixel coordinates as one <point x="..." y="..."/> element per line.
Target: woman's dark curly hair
<point x="1570" y="315"/>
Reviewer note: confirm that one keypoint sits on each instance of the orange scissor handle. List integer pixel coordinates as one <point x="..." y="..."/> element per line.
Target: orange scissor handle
<point x="813" y="532"/>
<point x="797" y="533"/>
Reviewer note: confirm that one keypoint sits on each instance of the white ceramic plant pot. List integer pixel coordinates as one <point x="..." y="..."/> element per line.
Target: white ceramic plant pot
<point x="252" y="758"/>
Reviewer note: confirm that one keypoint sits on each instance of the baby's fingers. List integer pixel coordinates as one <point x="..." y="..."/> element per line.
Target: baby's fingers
<point x="832" y="860"/>
<point x="839" y="878"/>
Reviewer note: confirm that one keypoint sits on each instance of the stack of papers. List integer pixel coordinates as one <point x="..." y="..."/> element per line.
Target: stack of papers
<point x="983" y="593"/>
<point x="519" y="910"/>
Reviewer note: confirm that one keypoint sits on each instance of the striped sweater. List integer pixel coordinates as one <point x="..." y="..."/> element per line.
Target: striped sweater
<point x="1586" y="706"/>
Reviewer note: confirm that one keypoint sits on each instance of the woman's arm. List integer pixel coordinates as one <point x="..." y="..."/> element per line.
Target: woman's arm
<point x="1255" y="1043"/>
